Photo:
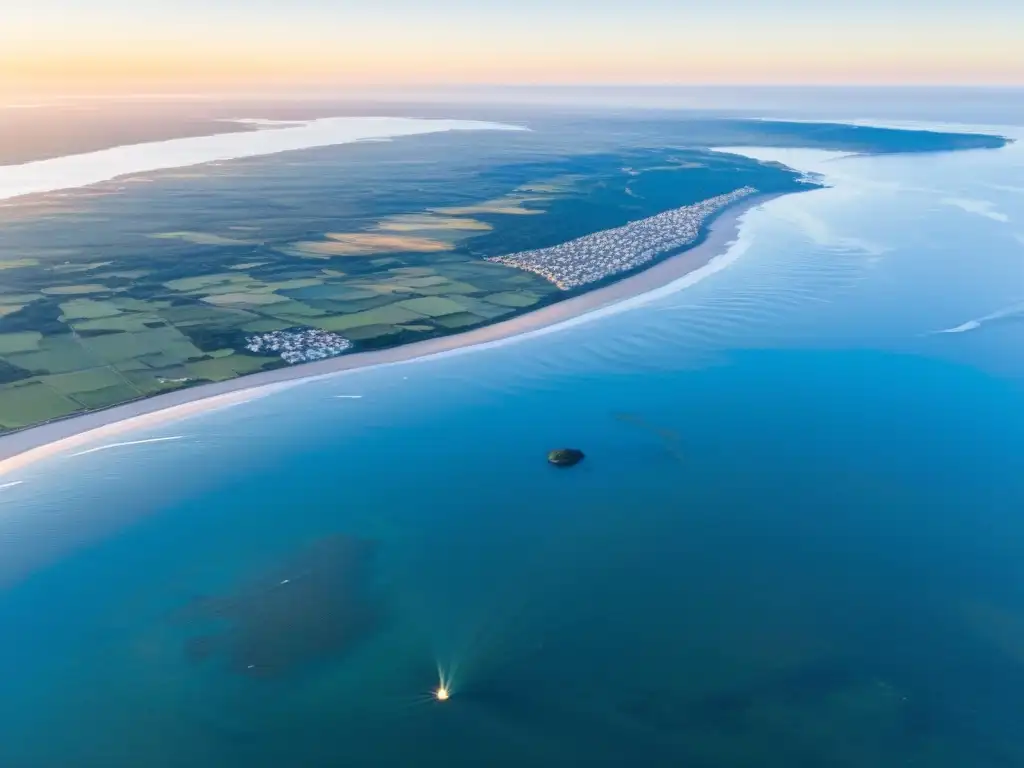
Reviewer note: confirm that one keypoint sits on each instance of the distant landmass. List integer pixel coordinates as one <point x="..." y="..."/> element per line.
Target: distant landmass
<point x="840" y="137"/>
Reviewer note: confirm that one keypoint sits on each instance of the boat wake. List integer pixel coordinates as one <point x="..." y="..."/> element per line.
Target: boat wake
<point x="1013" y="312"/>
<point x="108" y="446"/>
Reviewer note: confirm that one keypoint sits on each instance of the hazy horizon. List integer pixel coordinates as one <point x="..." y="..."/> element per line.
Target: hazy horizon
<point x="32" y="118"/>
<point x="113" y="47"/>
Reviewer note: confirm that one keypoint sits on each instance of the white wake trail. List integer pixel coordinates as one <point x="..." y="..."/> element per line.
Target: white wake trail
<point x="1014" y="310"/>
<point x="128" y="443"/>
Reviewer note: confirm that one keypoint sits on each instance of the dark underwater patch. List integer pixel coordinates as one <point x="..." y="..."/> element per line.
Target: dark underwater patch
<point x="316" y="605"/>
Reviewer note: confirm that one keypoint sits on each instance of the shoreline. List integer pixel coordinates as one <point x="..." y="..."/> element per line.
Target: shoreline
<point x="24" y="447"/>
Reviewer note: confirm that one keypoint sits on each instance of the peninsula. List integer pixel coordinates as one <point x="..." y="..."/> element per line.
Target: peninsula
<point x="596" y="257"/>
<point x="177" y="284"/>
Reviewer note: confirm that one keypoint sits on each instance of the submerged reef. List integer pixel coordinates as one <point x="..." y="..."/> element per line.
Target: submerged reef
<point x="315" y="605"/>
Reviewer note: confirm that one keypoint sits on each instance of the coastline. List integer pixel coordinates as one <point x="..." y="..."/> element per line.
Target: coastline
<point x="24" y="447"/>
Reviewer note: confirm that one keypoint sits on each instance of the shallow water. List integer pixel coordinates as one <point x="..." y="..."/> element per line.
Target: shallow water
<point x="795" y="539"/>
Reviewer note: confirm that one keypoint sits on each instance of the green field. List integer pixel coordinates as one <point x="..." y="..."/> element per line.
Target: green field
<point x="112" y="345"/>
<point x="175" y="277"/>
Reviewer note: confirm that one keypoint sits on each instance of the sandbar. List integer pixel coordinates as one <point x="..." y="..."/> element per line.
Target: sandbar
<point x="82" y="170"/>
<point x="19" y="449"/>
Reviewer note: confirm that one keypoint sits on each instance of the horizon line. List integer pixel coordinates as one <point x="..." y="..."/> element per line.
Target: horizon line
<point x="391" y="88"/>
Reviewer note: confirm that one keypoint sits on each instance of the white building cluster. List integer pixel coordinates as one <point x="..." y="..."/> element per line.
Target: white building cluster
<point x="299" y="346"/>
<point x="594" y="257"/>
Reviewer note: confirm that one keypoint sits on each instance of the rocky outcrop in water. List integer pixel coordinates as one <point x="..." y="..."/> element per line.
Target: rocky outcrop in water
<point x="565" y="457"/>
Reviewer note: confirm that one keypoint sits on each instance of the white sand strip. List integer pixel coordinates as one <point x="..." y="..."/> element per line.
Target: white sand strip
<point x="73" y="171"/>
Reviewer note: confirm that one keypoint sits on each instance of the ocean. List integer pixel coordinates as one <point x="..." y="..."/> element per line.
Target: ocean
<point x="795" y="539"/>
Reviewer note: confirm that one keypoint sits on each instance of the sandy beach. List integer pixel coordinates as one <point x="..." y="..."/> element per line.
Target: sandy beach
<point x="19" y="449"/>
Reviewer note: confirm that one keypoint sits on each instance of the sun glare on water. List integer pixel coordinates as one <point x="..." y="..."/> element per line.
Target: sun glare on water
<point x="443" y="691"/>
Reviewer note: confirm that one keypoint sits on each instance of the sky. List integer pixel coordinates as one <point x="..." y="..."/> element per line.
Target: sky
<point x="80" y="47"/>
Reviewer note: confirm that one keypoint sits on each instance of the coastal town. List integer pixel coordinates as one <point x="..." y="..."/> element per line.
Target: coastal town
<point x="592" y="258"/>
<point x="299" y="346"/>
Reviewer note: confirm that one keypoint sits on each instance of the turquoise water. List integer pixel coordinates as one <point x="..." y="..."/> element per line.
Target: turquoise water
<point x="795" y="539"/>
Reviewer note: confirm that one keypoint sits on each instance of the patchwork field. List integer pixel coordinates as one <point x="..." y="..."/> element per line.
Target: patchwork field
<point x="119" y="292"/>
<point x="112" y="347"/>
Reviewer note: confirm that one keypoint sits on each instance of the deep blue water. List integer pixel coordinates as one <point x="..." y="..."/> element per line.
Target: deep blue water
<point x="795" y="541"/>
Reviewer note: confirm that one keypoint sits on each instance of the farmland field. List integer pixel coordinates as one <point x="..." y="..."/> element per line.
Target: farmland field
<point x="125" y="290"/>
